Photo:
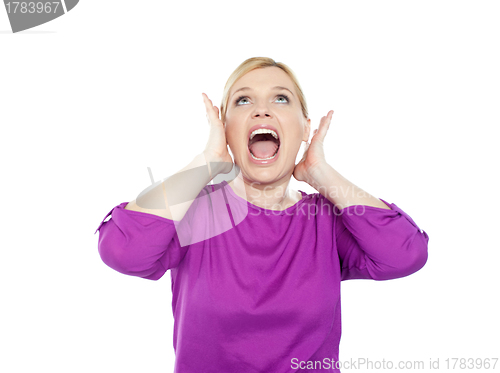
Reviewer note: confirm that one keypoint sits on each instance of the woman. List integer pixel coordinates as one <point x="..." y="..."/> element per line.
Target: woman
<point x="256" y="267"/>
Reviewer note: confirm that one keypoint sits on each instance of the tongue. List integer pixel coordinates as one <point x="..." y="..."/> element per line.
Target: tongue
<point x="263" y="149"/>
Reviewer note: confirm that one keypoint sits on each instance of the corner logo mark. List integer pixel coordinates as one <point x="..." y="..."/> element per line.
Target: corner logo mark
<point x="24" y="15"/>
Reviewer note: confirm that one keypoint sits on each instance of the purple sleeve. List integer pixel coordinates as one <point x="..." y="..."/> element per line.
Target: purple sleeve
<point x="379" y="244"/>
<point x="139" y="244"/>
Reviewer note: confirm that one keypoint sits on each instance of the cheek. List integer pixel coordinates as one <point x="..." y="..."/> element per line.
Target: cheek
<point x="295" y="131"/>
<point x="234" y="138"/>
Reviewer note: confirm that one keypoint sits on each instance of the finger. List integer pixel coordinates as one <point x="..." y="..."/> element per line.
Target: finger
<point x="209" y="107"/>
<point x="330" y="113"/>
<point x="314" y="137"/>
<point x="205" y="98"/>
<point x="324" y="124"/>
<point x="208" y="103"/>
<point x="305" y="151"/>
<point x="217" y="115"/>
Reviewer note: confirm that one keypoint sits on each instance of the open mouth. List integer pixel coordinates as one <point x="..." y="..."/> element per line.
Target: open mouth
<point x="263" y="144"/>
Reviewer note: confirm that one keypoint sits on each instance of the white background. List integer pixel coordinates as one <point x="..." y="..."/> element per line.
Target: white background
<point x="93" y="98"/>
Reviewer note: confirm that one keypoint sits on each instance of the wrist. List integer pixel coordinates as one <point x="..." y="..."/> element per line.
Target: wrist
<point x="217" y="164"/>
<point x="316" y="173"/>
<point x="213" y="163"/>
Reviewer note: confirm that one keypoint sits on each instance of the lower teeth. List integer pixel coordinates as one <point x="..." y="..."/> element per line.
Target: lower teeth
<point x="263" y="159"/>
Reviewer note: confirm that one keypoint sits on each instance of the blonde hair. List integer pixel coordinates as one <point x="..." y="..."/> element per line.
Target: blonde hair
<point x="259" y="63"/>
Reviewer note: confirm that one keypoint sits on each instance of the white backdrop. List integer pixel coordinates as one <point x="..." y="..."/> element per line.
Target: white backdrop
<point x="91" y="99"/>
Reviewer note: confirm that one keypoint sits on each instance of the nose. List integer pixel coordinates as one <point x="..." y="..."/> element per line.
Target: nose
<point x="265" y="115"/>
<point x="261" y="111"/>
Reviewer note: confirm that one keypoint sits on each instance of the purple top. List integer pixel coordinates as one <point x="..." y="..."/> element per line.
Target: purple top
<point x="262" y="295"/>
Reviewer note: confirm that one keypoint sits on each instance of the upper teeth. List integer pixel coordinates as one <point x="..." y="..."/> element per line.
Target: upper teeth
<point x="263" y="130"/>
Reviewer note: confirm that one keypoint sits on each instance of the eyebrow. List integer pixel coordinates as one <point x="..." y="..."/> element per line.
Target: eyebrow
<point x="277" y="87"/>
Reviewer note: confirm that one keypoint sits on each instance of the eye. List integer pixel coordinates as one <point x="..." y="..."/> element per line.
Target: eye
<point x="243" y="100"/>
<point x="284" y="97"/>
<point x="240" y="99"/>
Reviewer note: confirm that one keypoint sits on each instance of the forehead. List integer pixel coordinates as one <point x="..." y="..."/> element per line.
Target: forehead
<point x="263" y="78"/>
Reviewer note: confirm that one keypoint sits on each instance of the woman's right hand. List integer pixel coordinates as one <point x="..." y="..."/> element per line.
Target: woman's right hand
<point x="216" y="148"/>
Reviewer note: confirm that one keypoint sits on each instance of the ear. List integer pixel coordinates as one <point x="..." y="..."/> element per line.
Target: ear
<point x="307" y="130"/>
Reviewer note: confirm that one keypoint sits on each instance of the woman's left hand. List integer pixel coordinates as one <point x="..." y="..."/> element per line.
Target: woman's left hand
<point x="314" y="155"/>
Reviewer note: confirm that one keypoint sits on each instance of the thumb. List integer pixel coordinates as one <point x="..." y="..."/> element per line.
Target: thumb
<point x="305" y="151"/>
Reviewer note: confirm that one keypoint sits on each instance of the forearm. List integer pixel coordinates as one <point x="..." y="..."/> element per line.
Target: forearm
<point x="340" y="191"/>
<point x="172" y="197"/>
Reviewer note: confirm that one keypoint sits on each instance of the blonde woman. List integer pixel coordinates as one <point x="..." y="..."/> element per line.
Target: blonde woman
<point x="256" y="266"/>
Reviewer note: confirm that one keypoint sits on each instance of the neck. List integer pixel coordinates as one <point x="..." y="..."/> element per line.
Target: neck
<point x="273" y="196"/>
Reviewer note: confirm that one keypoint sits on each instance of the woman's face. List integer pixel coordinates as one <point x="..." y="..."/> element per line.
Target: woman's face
<point x="255" y="101"/>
